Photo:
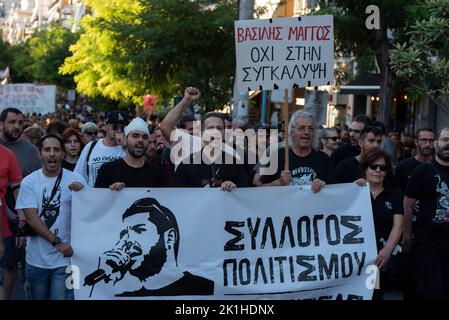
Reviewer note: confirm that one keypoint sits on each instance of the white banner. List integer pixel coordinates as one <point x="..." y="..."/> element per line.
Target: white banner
<point x="252" y="243"/>
<point x="284" y="53"/>
<point x="28" y="98"/>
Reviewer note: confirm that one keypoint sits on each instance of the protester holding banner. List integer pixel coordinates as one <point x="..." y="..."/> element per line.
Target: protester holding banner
<point x="428" y="184"/>
<point x="73" y="144"/>
<point x="104" y="150"/>
<point x="205" y="161"/>
<point x="306" y="166"/>
<point x="11" y="125"/>
<point x="387" y="210"/>
<point x="45" y="196"/>
<point x="132" y="170"/>
<point x="210" y="168"/>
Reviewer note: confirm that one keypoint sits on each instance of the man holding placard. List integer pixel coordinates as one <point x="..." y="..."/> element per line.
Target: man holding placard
<point x="307" y="166"/>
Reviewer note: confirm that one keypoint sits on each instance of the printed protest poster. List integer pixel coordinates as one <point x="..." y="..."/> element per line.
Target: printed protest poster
<point x="284" y="53"/>
<point x="251" y="243"/>
<point x="28" y="98"/>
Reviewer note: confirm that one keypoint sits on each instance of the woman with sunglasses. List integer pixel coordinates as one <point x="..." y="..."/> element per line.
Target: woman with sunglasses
<point x="387" y="210"/>
<point x="73" y="144"/>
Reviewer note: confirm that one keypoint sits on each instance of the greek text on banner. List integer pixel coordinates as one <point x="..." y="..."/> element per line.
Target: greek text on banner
<point x="251" y="243"/>
<point x="284" y="53"/>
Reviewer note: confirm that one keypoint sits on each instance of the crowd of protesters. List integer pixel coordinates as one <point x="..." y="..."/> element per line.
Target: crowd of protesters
<point x="43" y="159"/>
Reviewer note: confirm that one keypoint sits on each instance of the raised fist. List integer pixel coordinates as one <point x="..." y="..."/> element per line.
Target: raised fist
<point x="192" y="94"/>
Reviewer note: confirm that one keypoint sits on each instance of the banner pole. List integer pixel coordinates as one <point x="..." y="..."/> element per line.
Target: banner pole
<point x="286" y="165"/>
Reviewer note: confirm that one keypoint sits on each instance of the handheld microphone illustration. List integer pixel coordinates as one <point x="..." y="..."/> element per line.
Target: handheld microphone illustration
<point x="117" y="263"/>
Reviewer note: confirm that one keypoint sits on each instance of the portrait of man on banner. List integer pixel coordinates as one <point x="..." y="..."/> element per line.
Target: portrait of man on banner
<point x="147" y="249"/>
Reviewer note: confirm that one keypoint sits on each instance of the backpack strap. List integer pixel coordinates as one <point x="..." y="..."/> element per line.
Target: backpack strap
<point x="92" y="146"/>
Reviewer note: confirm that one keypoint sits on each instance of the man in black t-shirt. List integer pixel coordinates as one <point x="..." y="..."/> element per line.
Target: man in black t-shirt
<point x="424" y="142"/>
<point x="349" y="170"/>
<point x="132" y="170"/>
<point x="205" y="169"/>
<point x="209" y="162"/>
<point x="428" y="184"/>
<point x="425" y="138"/>
<point x="351" y="149"/>
<point x="306" y="166"/>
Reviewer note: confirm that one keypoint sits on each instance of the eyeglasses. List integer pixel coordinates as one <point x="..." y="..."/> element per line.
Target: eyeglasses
<point x="424" y="140"/>
<point x="381" y="167"/>
<point x="333" y="138"/>
<point x="303" y="128"/>
<point x="355" y="130"/>
<point x="116" y="126"/>
<point x="444" y="139"/>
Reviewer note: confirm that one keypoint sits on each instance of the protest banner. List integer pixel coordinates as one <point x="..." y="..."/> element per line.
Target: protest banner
<point x="284" y="53"/>
<point x="28" y="98"/>
<point x="210" y="244"/>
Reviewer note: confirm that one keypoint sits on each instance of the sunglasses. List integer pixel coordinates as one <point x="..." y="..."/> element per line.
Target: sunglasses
<point x="333" y="138"/>
<point x="91" y="133"/>
<point x="381" y="167"/>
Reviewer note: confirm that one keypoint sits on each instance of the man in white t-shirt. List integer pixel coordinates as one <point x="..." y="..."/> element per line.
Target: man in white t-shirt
<point x="104" y="150"/>
<point x="45" y="197"/>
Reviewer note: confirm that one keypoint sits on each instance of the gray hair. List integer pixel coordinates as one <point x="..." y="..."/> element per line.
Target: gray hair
<point x="300" y="114"/>
<point x="326" y="132"/>
<point x="441" y="131"/>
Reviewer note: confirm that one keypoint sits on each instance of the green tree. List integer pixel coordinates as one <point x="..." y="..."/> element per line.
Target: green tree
<point x="160" y="46"/>
<point x="424" y="60"/>
<point x="20" y="62"/>
<point x="5" y="58"/>
<point x="354" y="39"/>
<point x="39" y="57"/>
<point x="48" y="49"/>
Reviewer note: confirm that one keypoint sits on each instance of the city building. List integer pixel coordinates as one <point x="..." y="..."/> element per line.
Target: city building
<point x="20" y="18"/>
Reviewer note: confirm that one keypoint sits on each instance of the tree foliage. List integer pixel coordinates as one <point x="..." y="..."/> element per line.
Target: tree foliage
<point x="158" y="46"/>
<point x="48" y="49"/>
<point x="424" y="60"/>
<point x="353" y="38"/>
<point x="20" y="63"/>
<point x="4" y="53"/>
<point x="38" y="58"/>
